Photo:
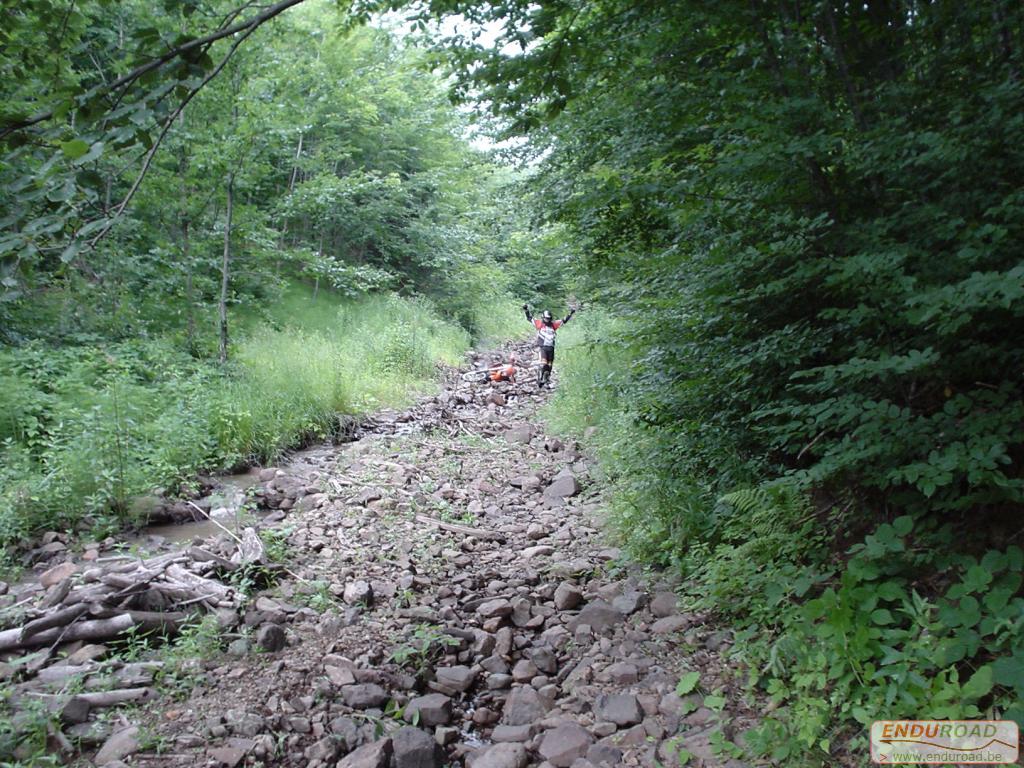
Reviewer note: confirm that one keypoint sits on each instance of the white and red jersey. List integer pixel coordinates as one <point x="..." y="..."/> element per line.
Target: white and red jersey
<point x="546" y="333"/>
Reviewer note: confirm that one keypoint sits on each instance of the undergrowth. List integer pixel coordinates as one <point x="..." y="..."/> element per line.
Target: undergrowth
<point x="87" y="428"/>
<point x="841" y="615"/>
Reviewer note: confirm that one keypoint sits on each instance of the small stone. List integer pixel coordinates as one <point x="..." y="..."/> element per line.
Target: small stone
<point x="505" y="755"/>
<point x="430" y="710"/>
<point x="459" y="678"/>
<point x="365" y="696"/>
<point x="538" y="551"/>
<point x="414" y="748"/>
<point x="630" y="602"/>
<point x="270" y="638"/>
<point x="524" y="671"/>
<point x="598" y="615"/>
<point x="358" y="592"/>
<point x="524" y="706"/>
<point x="513" y="733"/>
<point x="239" y="647"/>
<point x="225" y="757"/>
<point x="536" y="531"/>
<point x="445" y="735"/>
<point x="670" y="625"/>
<point x="375" y="755"/>
<point x="494" y="609"/>
<point x="664" y="604"/>
<point x="563" y="486"/>
<point x="521" y="435"/>
<point x="339" y="676"/>
<point x="484" y="716"/>
<point x="604" y="755"/>
<point x="567" y="596"/>
<point x="620" y="708"/>
<point x="57" y="574"/>
<point x="498" y="682"/>
<point x="622" y="673"/>
<point x="564" y="744"/>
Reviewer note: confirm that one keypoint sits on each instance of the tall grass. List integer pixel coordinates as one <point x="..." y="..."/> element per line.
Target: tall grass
<point x="654" y="503"/>
<point x="87" y="429"/>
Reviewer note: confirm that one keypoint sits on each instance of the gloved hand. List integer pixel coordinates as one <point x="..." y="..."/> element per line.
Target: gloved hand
<point x="526" y="306"/>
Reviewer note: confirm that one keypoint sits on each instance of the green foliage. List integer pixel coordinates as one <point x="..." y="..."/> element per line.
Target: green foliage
<point x="107" y="424"/>
<point x="422" y="647"/>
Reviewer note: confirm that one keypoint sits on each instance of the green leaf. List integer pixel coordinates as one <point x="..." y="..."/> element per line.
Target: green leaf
<point x="687" y="683"/>
<point x="903" y="525"/>
<point x="980" y="683"/>
<point x="74" y="148"/>
<point x="881" y="616"/>
<point x="714" y="702"/>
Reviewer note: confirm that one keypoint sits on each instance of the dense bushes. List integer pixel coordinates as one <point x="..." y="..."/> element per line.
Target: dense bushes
<point x="811" y="254"/>
<point x="88" y="428"/>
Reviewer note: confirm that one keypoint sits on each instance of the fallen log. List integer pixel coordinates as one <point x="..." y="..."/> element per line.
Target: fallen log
<point x="464" y="530"/>
<point x="200" y="555"/>
<point x="117" y="696"/>
<point x="60" y="618"/>
<point x="99" y="629"/>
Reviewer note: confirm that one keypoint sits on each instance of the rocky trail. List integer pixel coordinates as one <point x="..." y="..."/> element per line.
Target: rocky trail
<point x="438" y="592"/>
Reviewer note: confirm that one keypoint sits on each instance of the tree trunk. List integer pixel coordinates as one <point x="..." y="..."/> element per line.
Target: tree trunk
<point x="224" y="272"/>
<point x="295" y="167"/>
<point x="189" y="288"/>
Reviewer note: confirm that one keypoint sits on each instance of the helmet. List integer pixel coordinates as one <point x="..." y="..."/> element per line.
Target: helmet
<point x="546" y="317"/>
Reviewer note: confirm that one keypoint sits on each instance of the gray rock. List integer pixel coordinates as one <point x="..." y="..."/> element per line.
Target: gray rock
<point x="567" y="596"/>
<point x="629" y="602"/>
<point x="563" y="486"/>
<point x="431" y="710"/>
<point x="414" y="748"/>
<point x="502" y="756"/>
<point x="498" y="682"/>
<point x="365" y="696"/>
<point x="513" y="733"/>
<point x="717" y="640"/>
<point x="604" y="754"/>
<point x="622" y="673"/>
<point x="326" y="749"/>
<point x="620" y="708"/>
<point x="244" y="723"/>
<point x="545" y="660"/>
<point x="270" y="638"/>
<point x="521" y="435"/>
<point x="524" y="706"/>
<point x="460" y="678"/>
<point x="227" y="757"/>
<point x="494" y="608"/>
<point x="670" y="625"/>
<point x="598" y="615"/>
<point x="561" y="746"/>
<point x="358" y="592"/>
<point x="524" y="671"/>
<point x="346" y="729"/>
<point x="536" y="532"/>
<point x="664" y="604"/>
<point x="375" y="755"/>
<point x="120" y="744"/>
